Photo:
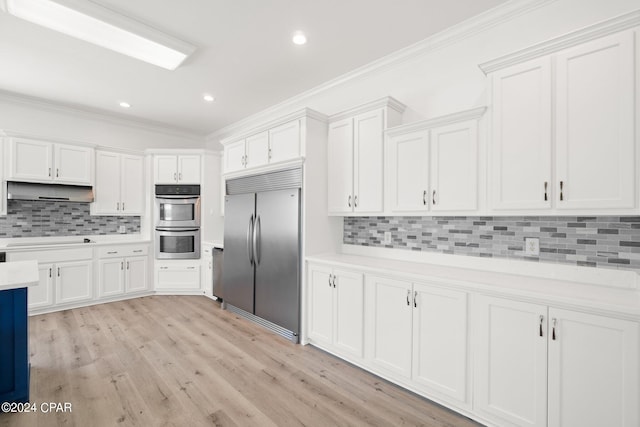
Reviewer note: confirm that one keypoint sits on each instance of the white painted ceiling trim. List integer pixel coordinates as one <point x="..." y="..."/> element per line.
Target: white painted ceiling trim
<point x="491" y="18"/>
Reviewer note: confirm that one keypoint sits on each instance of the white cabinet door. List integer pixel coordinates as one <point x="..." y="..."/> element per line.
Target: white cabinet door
<point x="257" y="150"/>
<point x="178" y="278"/>
<point x="132" y="185"/>
<point x="349" y="312"/>
<point x="166" y="169"/>
<point x="110" y="277"/>
<point x="234" y="156"/>
<point x="368" y="166"/>
<point x="593" y="370"/>
<point x="73" y="281"/>
<point x="454" y="167"/>
<point x="31" y="160"/>
<point x="107" y="190"/>
<point x="320" y="305"/>
<point x="189" y="169"/>
<point x="595" y="142"/>
<point x="408" y="174"/>
<point x="340" y="167"/>
<point x="73" y="164"/>
<point x="41" y="295"/>
<point x="391" y="325"/>
<point x="136" y="274"/>
<point x="520" y="146"/>
<point x="511" y="361"/>
<point x="284" y="142"/>
<point x="440" y="341"/>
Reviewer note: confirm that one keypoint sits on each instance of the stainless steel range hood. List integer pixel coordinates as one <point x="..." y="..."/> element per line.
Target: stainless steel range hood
<point x="49" y="192"/>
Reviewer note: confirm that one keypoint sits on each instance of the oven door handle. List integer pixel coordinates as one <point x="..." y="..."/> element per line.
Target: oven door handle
<point x="177" y="230"/>
<point x="249" y="239"/>
<point x="170" y="197"/>
<point x="257" y="235"/>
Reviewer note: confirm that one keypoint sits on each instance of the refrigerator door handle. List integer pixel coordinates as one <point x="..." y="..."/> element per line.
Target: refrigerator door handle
<point x="257" y="235"/>
<point x="249" y="246"/>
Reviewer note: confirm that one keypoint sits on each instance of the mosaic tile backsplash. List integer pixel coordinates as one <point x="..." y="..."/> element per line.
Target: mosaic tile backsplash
<point x="38" y="219"/>
<point x="592" y="241"/>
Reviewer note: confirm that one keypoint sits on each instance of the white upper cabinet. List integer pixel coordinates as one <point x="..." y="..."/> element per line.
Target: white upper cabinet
<point x="119" y="186"/>
<point x="520" y="163"/>
<point x="563" y="129"/>
<point x="432" y="165"/>
<point x="407" y="157"/>
<point x="40" y="161"/>
<point x="274" y="145"/>
<point x="356" y="157"/>
<point x="181" y="169"/>
<point x="284" y="142"/>
<point x="595" y="141"/>
<point x="340" y="163"/>
<point x="454" y="167"/>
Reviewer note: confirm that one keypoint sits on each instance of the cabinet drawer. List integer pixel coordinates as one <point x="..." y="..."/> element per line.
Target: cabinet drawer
<point x="52" y="255"/>
<point x="122" y="251"/>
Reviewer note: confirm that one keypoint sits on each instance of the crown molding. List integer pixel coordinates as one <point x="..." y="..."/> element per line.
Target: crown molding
<point x="9" y="133"/>
<point x="472" y="114"/>
<point x="97" y="114"/>
<point x="373" y="105"/>
<point x="585" y="34"/>
<point x="296" y="115"/>
<point x="477" y="24"/>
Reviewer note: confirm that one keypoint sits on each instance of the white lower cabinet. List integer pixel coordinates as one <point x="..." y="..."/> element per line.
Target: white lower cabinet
<point x="544" y="366"/>
<point x="178" y="276"/>
<point x="122" y="270"/>
<point x="66" y="277"/>
<point x="418" y="332"/>
<point x="74" y="281"/>
<point x="336" y="309"/>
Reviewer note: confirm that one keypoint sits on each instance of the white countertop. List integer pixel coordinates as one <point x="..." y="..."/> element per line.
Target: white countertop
<point x="18" y="274"/>
<point x="543" y="290"/>
<point x="31" y="243"/>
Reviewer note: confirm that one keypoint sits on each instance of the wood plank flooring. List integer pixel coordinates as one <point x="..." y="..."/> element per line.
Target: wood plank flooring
<point x="182" y="361"/>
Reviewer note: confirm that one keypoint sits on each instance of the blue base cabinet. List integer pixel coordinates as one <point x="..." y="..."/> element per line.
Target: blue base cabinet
<point x="14" y="346"/>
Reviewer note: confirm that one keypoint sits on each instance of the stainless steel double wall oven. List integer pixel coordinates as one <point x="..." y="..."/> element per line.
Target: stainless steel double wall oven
<point x="177" y="221"/>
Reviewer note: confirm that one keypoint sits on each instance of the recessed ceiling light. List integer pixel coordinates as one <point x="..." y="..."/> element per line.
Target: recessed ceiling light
<point x="94" y="23"/>
<point x="124" y="104"/>
<point x="299" y="38"/>
<point x="207" y="97"/>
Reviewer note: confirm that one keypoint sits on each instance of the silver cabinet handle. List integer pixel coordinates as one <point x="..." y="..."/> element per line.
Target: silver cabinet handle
<point x="546" y="197"/>
<point x="121" y="265"/>
<point x="270" y="154"/>
<point x="329" y="280"/>
<point x="50" y="272"/>
<point x="249" y="234"/>
<point x="112" y="252"/>
<point x="49" y="172"/>
<point x="541" y="322"/>
<point x="424" y="197"/>
<point x="415" y="299"/>
<point x="246" y="160"/>
<point x="349" y="201"/>
<point x="355" y="201"/>
<point x="180" y="176"/>
<point x="58" y="271"/>
<point x="433" y="197"/>
<point x="127" y="265"/>
<point x="553" y="331"/>
<point x="408" y="296"/>
<point x="122" y="205"/>
<point x="117" y="206"/>
<point x="137" y="251"/>
<point x="175" y="176"/>
<point x="561" y="191"/>
<point x="57" y="173"/>
<point x="334" y="281"/>
<point x="191" y="268"/>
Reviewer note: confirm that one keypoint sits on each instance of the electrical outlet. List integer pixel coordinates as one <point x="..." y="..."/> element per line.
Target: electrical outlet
<point x="531" y="246"/>
<point x="122" y="229"/>
<point x="387" y="237"/>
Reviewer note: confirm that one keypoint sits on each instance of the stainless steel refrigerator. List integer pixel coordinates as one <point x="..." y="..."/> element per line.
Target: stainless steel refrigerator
<point x="261" y="270"/>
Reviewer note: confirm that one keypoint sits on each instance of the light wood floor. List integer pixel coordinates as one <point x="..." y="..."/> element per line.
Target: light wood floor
<point x="182" y="361"/>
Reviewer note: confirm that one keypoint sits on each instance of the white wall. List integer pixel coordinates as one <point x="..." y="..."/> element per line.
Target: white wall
<point x="38" y="119"/>
<point x="447" y="79"/>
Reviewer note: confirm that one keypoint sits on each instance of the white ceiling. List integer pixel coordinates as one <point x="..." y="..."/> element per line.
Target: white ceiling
<point x="244" y="54"/>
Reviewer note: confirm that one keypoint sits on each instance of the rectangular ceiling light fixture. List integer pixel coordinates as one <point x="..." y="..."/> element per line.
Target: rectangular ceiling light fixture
<point x="97" y="24"/>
